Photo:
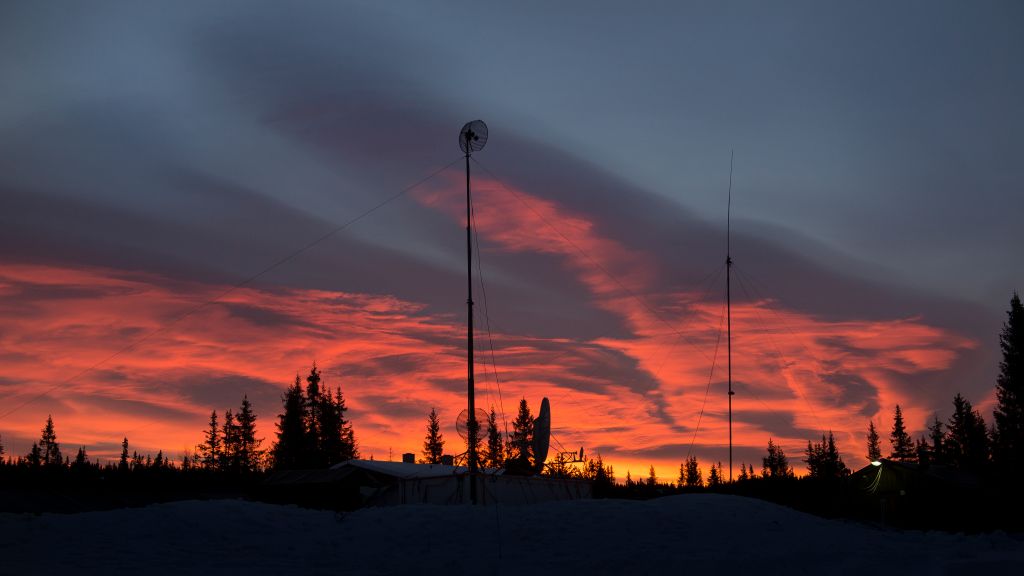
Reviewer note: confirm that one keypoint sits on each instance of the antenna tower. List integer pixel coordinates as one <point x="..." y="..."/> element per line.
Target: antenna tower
<point x="728" y="299"/>
<point x="472" y="138"/>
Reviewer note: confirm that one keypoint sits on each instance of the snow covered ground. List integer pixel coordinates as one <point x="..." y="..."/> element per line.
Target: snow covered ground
<point x="688" y="534"/>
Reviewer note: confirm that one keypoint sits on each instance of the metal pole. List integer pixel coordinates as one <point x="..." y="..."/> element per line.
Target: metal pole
<point x="728" y="302"/>
<point x="472" y="424"/>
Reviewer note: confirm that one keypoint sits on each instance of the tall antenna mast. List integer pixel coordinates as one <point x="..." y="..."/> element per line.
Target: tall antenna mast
<point x="728" y="299"/>
<point x="472" y="138"/>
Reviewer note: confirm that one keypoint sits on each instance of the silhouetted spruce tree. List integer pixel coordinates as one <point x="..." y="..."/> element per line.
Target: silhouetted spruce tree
<point x="122" y="464"/>
<point x="337" y="441"/>
<point x="1008" y="436"/>
<point x="823" y="459"/>
<point x="522" y="438"/>
<point x="750" y="471"/>
<point x="874" y="447"/>
<point x="210" y="450"/>
<point x="494" y="457"/>
<point x="652" y="478"/>
<point x="966" y="437"/>
<point x="937" y="450"/>
<point x="715" y="475"/>
<point x="902" y="444"/>
<point x="775" y="464"/>
<point x="923" y="452"/>
<point x="314" y="417"/>
<point x="81" y="459"/>
<point x="289" y="452"/>
<point x="1" y="448"/>
<point x="694" y="477"/>
<point x="34" y="458"/>
<point x="229" y="441"/>
<point x="433" y="444"/>
<point x="250" y="455"/>
<point x="743" y="473"/>
<point x="48" y="445"/>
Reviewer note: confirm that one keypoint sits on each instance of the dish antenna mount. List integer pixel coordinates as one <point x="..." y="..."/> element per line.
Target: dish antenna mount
<point x="472" y="138"/>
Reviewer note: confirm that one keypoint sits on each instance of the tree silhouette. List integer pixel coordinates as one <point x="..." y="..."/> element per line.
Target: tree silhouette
<point x="966" y="439"/>
<point x="902" y="444"/>
<point x="823" y="459"/>
<point x="289" y="452"/>
<point x="229" y="439"/>
<point x="1008" y="449"/>
<point x="874" y="447"/>
<point x="210" y="450"/>
<point x="715" y="475"/>
<point x="433" y="444"/>
<point x="494" y="457"/>
<point x="522" y="437"/>
<point x="122" y="464"/>
<point x="49" y="447"/>
<point x="693" y="476"/>
<point x="775" y="464"/>
<point x="937" y="450"/>
<point x="313" y="416"/>
<point x="249" y="454"/>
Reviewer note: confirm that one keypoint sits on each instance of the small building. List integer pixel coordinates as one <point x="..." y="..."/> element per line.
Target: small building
<point x="356" y="483"/>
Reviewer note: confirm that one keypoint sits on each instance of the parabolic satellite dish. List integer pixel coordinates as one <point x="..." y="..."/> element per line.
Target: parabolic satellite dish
<point x="541" y="435"/>
<point x="473" y="136"/>
<point x="462" y="422"/>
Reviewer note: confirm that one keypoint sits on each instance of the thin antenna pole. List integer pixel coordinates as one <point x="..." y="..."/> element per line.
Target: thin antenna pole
<point x="728" y="299"/>
<point x="472" y="424"/>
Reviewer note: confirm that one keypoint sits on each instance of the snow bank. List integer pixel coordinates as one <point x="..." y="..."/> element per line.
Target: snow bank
<point x="694" y="534"/>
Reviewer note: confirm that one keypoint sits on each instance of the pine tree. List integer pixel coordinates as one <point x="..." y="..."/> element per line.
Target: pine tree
<point x="652" y="478"/>
<point x="250" y="456"/>
<point x="122" y="464"/>
<point x="937" y="450"/>
<point x="823" y="459"/>
<point x="337" y="442"/>
<point x="314" y="417"/>
<point x="1" y="448"/>
<point x="743" y="473"/>
<point x="694" y="477"/>
<point x="49" y="447"/>
<point x="750" y="471"/>
<point x="874" y="447"/>
<point x="34" y="458"/>
<point x="81" y="459"/>
<point x="210" y="450"/>
<point x="290" y="449"/>
<point x="776" y="465"/>
<point x="229" y="441"/>
<point x="1008" y="449"/>
<point x="966" y="439"/>
<point x="433" y="444"/>
<point x="495" y="455"/>
<point x="522" y="438"/>
<point x="902" y="444"/>
<point x="715" y="476"/>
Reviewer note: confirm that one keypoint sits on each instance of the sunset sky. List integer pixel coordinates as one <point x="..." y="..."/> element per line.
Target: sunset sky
<point x="155" y="157"/>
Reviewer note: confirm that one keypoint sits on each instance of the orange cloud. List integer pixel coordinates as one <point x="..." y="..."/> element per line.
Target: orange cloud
<point x="635" y="397"/>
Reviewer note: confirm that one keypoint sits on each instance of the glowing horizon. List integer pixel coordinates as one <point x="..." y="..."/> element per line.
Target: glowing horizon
<point x="634" y="398"/>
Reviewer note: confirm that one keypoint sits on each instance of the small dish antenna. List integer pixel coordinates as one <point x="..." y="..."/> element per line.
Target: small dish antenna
<point x="473" y="136"/>
<point x="462" y="422"/>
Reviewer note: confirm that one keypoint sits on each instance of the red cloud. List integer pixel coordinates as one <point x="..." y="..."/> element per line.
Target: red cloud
<point x="636" y="398"/>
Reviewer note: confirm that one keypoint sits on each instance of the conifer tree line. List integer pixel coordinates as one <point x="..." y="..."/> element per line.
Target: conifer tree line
<point x="312" y="432"/>
<point x="964" y="441"/>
